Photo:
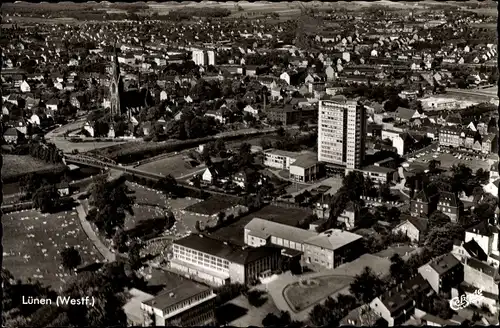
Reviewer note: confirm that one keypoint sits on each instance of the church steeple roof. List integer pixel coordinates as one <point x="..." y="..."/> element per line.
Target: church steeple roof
<point x="115" y="65"/>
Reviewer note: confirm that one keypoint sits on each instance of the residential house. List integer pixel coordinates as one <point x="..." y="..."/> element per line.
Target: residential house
<point x="217" y="263"/>
<point x="492" y="187"/>
<point x="63" y="189"/>
<point x="486" y="236"/>
<point x="449" y="204"/>
<point x="252" y="111"/>
<point x="217" y="115"/>
<point x="485" y="277"/>
<point x="421" y="204"/>
<point x="443" y="273"/>
<point x="25" y="87"/>
<point x="210" y="175"/>
<point x="466" y="250"/>
<point x="397" y="305"/>
<point x="414" y="228"/>
<point x="348" y="219"/>
<point x="13" y="136"/>
<point x="52" y="104"/>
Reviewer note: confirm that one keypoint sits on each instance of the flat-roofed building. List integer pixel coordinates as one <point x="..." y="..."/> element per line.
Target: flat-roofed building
<point x="279" y="159"/>
<point x="378" y="173"/>
<point x="190" y="304"/>
<point x="332" y="248"/>
<point x="217" y="263"/>
<point x="329" y="249"/>
<point x="305" y="168"/>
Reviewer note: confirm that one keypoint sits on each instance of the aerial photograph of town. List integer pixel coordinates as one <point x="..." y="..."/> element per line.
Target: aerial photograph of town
<point x="249" y="164"/>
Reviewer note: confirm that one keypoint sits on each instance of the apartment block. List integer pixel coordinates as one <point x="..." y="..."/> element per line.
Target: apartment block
<point x="341" y="132"/>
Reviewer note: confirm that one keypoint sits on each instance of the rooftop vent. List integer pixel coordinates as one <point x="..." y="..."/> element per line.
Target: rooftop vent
<point x="171" y="294"/>
<point x="201" y="236"/>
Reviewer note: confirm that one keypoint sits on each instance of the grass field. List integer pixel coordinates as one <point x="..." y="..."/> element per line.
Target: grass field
<point x="16" y="165"/>
<point x="176" y="166"/>
<point x="235" y="231"/>
<point x="32" y="242"/>
<point x="185" y="221"/>
<point x="300" y="297"/>
<point x="212" y="205"/>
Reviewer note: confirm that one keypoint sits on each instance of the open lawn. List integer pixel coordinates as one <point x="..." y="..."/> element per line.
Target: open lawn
<point x="32" y="242"/>
<point x="17" y="165"/>
<point x="213" y="205"/>
<point x="448" y="160"/>
<point x="152" y="204"/>
<point x="176" y="166"/>
<point x="234" y="232"/>
<point x="301" y="296"/>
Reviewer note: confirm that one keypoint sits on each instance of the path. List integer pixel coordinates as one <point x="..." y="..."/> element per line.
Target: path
<point x="182" y="177"/>
<point x="87" y="227"/>
<point x="277" y="287"/>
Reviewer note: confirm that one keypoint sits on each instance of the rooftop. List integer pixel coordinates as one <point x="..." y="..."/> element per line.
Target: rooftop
<point x="378" y="169"/>
<point x="225" y="250"/>
<point x="266" y="229"/>
<point x="333" y="239"/>
<point x="305" y="161"/>
<point x="176" y="295"/>
<point x="444" y="264"/>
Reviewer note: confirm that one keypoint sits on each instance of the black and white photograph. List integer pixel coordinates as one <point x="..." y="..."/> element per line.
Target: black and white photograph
<point x="249" y="164"/>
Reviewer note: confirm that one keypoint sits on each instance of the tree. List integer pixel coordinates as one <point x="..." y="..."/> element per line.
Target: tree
<point x="398" y="268"/>
<point x="438" y="219"/>
<point x="197" y="226"/>
<point x="167" y="184"/>
<point x="434" y="165"/>
<point x="70" y="258"/>
<point x="46" y="198"/>
<point x="120" y="241"/>
<point x="366" y="286"/>
<point x="134" y="256"/>
<point x="255" y="298"/>
<point x="111" y="201"/>
<point x="271" y="320"/>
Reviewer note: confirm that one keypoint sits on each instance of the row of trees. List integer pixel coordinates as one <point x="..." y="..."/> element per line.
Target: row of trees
<point x="46" y="152"/>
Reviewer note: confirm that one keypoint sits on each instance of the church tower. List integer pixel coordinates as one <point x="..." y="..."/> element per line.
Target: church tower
<point x="116" y="86"/>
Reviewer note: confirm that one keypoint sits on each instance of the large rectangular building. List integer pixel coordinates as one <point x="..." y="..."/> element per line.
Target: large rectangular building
<point x="188" y="305"/>
<point x="328" y="249"/>
<point x="341" y="132"/>
<point x="217" y="263"/>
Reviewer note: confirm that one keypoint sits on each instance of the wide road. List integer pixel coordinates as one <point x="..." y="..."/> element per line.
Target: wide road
<point x="487" y="94"/>
<point x="56" y="136"/>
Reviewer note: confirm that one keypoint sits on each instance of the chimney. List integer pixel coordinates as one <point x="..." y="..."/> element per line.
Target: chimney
<point x="171" y="294"/>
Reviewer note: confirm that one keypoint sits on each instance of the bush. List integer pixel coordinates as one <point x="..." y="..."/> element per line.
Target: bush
<point x="256" y="298"/>
<point x="228" y="292"/>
